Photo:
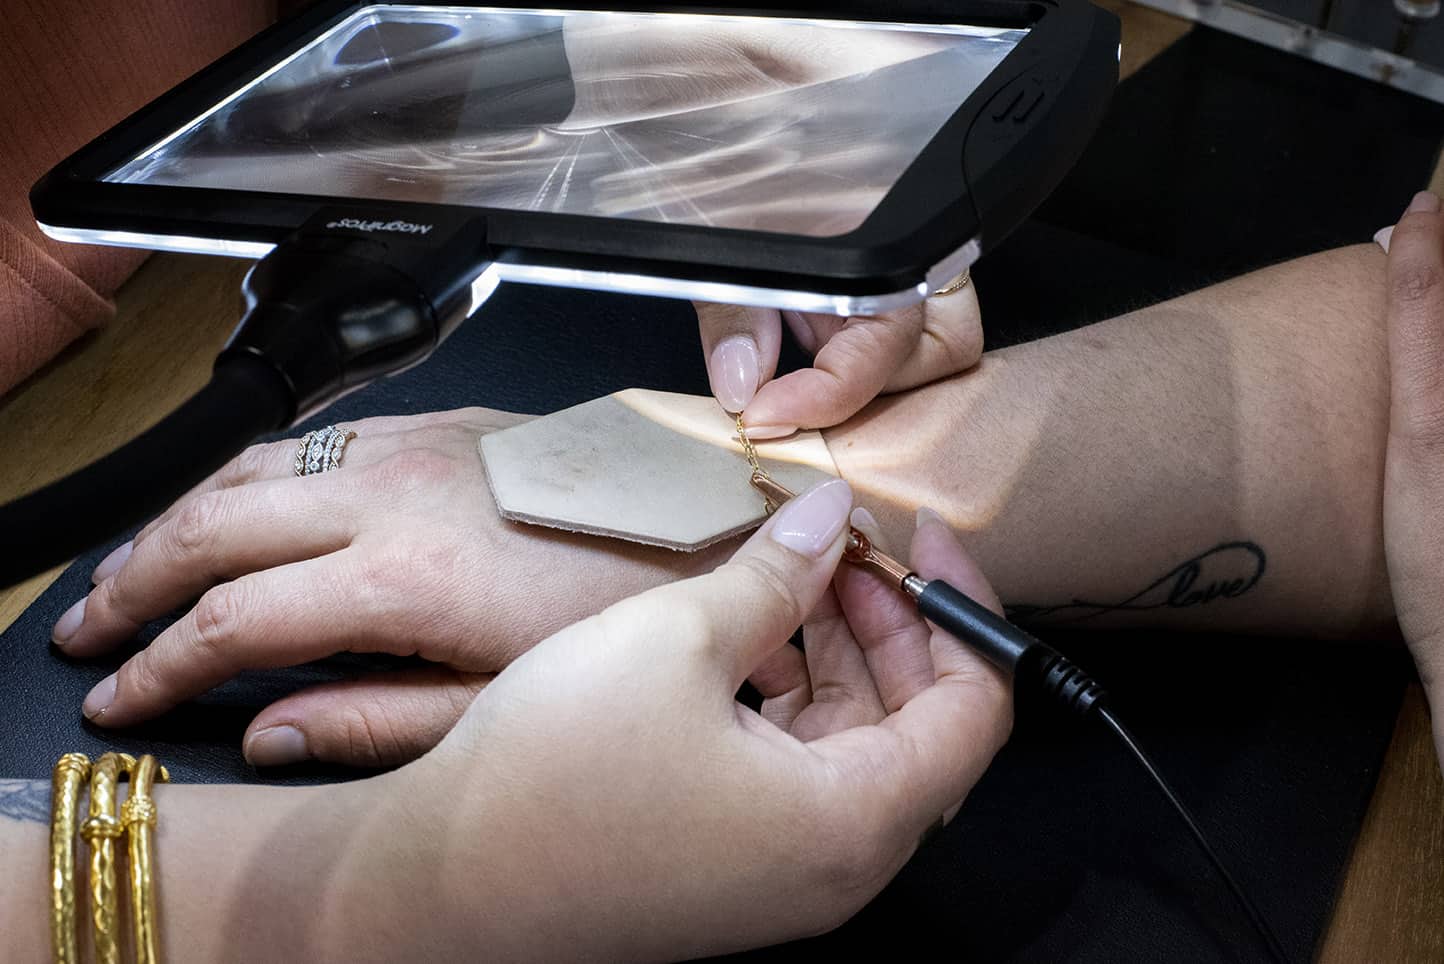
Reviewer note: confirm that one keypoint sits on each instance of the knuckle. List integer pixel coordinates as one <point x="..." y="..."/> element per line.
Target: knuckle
<point x="406" y="576"/>
<point x="142" y="674"/>
<point x="959" y="345"/>
<point x="218" y="617"/>
<point x="1416" y="280"/>
<point x="718" y="320"/>
<point x="195" y="524"/>
<point x="413" y="467"/>
<point x="251" y="464"/>
<point x="106" y="598"/>
<point x="369" y="736"/>
<point x="1421" y="430"/>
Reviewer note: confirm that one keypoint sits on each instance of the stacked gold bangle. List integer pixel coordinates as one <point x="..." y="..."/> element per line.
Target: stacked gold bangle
<point x="135" y="822"/>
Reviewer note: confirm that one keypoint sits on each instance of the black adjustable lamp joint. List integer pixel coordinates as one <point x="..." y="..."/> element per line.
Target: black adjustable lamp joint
<point x="346" y="300"/>
<point x="343" y="301"/>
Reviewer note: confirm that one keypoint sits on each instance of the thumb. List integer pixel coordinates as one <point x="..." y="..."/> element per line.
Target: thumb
<point x="849" y="371"/>
<point x="749" y="606"/>
<point x="944" y="737"/>
<point x="383" y="719"/>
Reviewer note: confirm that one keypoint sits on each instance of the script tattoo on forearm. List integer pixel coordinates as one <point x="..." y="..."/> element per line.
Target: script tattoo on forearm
<point x="1226" y="571"/>
<point x="25" y="800"/>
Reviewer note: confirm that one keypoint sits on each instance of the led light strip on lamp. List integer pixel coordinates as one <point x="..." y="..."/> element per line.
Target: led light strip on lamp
<point x="610" y="281"/>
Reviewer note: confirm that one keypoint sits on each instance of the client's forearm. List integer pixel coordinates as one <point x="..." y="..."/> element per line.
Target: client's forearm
<point x="1214" y="460"/>
<point x="242" y="873"/>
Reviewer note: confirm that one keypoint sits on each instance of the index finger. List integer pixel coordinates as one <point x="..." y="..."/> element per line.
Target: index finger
<point x="280" y="617"/>
<point x="925" y="757"/>
<point x="849" y="371"/>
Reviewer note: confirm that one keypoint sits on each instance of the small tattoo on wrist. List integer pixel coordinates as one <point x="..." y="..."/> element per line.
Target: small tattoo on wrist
<point x="27" y="800"/>
<point x="1227" y="571"/>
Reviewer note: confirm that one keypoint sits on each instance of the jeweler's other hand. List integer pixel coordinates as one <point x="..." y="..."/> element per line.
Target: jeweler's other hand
<point x="400" y="550"/>
<point x="855" y="359"/>
<point x="612" y="764"/>
<point x="1414" y="465"/>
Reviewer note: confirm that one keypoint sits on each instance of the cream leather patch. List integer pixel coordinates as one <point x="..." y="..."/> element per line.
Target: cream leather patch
<point x="651" y="467"/>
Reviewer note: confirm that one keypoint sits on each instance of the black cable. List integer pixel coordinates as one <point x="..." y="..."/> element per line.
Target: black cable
<point x="1038" y="665"/>
<point x="1255" y="916"/>
<point x="244" y="398"/>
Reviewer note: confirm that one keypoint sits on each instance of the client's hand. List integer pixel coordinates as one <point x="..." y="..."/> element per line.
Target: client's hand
<point x="606" y="791"/>
<point x="400" y="550"/>
<point x="1414" y="466"/>
<point x="855" y="359"/>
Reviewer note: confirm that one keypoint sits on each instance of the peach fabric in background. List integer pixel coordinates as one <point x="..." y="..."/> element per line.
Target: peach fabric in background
<point x="68" y="71"/>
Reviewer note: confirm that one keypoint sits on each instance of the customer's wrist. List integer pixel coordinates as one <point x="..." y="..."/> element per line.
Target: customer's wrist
<point x="247" y="872"/>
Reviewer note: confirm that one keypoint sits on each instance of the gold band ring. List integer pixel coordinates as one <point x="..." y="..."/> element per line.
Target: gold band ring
<point x="954" y="286"/>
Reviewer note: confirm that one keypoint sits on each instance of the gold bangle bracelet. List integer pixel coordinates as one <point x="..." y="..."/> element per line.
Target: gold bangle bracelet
<point x="138" y="816"/>
<point x="71" y="771"/>
<point x="100" y="832"/>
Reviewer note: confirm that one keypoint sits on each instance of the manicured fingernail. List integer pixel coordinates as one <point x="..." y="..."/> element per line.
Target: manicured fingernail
<point x="112" y="563"/>
<point x="67" y="624"/>
<point x="98" y="700"/>
<point x="1383" y="237"/>
<point x="276" y="746"/>
<point x="926" y="515"/>
<point x="760" y="432"/>
<point x="736" y="370"/>
<point x="864" y="521"/>
<point x="1425" y="202"/>
<point x="811" y="522"/>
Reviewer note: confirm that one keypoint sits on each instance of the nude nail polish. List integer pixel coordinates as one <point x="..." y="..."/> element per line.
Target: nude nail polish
<point x="812" y="521"/>
<point x="736" y="370"/>
<point x="111" y="564"/>
<point x="98" y="700"/>
<point x="67" y="625"/>
<point x="1383" y="236"/>
<point x="926" y="515"/>
<point x="758" y="433"/>
<point x="864" y="522"/>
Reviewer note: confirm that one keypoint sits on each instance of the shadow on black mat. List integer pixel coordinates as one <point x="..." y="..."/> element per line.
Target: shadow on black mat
<point x="1217" y="158"/>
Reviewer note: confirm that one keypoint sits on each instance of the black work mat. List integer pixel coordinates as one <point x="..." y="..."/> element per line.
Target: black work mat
<point x="1216" y="158"/>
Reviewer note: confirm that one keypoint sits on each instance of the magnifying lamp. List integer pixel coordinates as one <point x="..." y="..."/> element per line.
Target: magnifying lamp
<point x="391" y="164"/>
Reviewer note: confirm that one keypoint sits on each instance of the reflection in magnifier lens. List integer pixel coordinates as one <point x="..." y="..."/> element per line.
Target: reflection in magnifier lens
<point x="798" y="127"/>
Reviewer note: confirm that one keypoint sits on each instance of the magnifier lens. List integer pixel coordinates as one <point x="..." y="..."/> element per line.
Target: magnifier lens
<point x="789" y="126"/>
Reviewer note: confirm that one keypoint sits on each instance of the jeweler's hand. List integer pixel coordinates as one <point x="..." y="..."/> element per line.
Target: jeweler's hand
<point x="607" y="792"/>
<point x="1414" y="466"/>
<point x="400" y="550"/>
<point x="855" y="359"/>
